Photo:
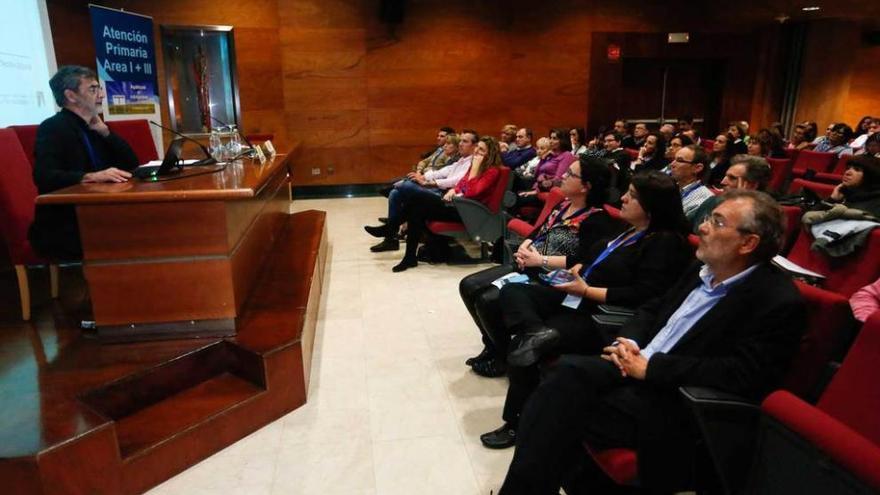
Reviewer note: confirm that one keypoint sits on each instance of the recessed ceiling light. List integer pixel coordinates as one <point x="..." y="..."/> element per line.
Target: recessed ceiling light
<point x="811" y="9"/>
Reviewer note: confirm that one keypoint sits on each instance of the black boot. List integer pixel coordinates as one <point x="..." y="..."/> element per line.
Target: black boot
<point x="389" y="244"/>
<point x="404" y="264"/>
<point x="378" y="231"/>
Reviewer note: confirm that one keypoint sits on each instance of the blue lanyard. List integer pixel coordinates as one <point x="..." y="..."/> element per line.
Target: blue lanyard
<point x="561" y="218"/>
<point x="616" y="243"/>
<point x="95" y="159"/>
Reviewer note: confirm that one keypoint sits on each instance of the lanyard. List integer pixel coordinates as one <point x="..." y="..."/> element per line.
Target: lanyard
<point x="616" y="243"/>
<point x="95" y="159"/>
<point x="560" y="219"/>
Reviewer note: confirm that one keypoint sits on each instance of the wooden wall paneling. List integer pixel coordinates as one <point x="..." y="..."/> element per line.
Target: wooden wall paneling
<point x="864" y="97"/>
<point x="827" y="71"/>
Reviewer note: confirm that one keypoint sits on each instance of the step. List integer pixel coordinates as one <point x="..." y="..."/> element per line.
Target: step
<point x="175" y="415"/>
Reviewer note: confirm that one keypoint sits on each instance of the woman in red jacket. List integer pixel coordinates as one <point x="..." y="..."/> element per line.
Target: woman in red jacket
<point x="478" y="184"/>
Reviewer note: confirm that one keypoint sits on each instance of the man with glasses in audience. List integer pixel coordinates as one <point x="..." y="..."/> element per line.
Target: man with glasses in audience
<point x="522" y="152"/>
<point x="640" y="134"/>
<point x="73" y="146"/>
<point x="688" y="169"/>
<point x="732" y="323"/>
<point x="745" y="172"/>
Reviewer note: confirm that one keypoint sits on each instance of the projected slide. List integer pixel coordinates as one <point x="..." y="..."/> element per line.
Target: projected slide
<point x="27" y="61"/>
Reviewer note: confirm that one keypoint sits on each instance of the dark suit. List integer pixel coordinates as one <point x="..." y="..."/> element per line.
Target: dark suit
<point x="742" y="345"/>
<point x="61" y="160"/>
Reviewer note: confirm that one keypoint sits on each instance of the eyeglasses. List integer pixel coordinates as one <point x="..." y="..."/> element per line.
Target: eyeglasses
<point x="569" y="173"/>
<point x="680" y="160"/>
<point x="718" y="222"/>
<point x="94" y="89"/>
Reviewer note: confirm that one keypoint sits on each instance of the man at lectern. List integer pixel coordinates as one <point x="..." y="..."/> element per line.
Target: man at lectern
<point x="73" y="146"/>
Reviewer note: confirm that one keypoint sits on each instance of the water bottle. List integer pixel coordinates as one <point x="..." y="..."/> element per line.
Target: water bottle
<point x="234" y="142"/>
<point x="215" y="146"/>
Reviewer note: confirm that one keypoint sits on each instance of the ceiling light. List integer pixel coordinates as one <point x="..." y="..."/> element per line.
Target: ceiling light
<point x="811" y="9"/>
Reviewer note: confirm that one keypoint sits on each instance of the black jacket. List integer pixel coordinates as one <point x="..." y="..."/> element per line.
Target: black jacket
<point x="61" y="160"/>
<point x="743" y="345"/>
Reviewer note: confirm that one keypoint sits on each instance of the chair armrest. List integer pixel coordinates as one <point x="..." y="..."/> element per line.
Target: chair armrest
<point x="609" y="319"/>
<point x="509" y="199"/>
<point x="728" y="424"/>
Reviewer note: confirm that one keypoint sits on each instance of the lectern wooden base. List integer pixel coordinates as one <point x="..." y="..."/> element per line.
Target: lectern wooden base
<point x="85" y="417"/>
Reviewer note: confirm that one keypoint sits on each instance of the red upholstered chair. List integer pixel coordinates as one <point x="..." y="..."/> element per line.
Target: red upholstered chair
<point x="780" y="170"/>
<point x="815" y="160"/>
<point x="828" y="315"/>
<point x="792" y="227"/>
<point x="27" y="136"/>
<point x="835" y="176"/>
<point x="17" y="195"/>
<point x="137" y="134"/>
<point x="820" y="188"/>
<point x="481" y="223"/>
<point x="633" y="154"/>
<point x="791" y="153"/>
<point x="612" y="211"/>
<point x="843" y="275"/>
<point x="523" y="228"/>
<point x="832" y="447"/>
<point x="707" y="144"/>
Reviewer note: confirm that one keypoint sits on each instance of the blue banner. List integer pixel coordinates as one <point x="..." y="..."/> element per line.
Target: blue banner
<point x="125" y="56"/>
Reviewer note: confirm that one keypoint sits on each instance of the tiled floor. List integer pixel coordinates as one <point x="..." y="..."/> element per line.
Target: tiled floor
<point x="392" y="408"/>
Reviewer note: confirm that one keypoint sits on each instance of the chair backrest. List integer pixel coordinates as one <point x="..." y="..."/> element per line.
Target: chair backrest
<point x="708" y="145"/>
<point x="793" y="216"/>
<point x="554" y="197"/>
<point x="633" y="154"/>
<point x="843" y="275"/>
<point x="853" y="396"/>
<point x="504" y="183"/>
<point x="840" y="165"/>
<point x="816" y="160"/>
<point x="27" y="136"/>
<point x="828" y="315"/>
<point x="780" y="169"/>
<point x="17" y="195"/>
<point x="137" y="134"/>
<point x="612" y="211"/>
<point x="821" y="189"/>
<point x="791" y="153"/>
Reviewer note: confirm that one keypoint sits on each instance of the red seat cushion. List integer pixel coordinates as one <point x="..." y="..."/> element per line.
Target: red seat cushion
<point x="621" y="465"/>
<point x="846" y="274"/>
<point x="445" y="228"/>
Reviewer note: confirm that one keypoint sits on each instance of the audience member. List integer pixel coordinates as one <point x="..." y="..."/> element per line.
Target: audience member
<point x="675" y="144"/>
<point x="447" y="156"/>
<point x="693" y="136"/>
<point x="688" y="169"/>
<point x="858" y="143"/>
<point x="441" y="140"/>
<point x="863" y="126"/>
<point x="866" y="301"/>
<point x="619" y="160"/>
<point x="719" y="159"/>
<point x="739" y="134"/>
<point x="524" y="175"/>
<point x="685" y="124"/>
<point x="578" y="221"/>
<point x="860" y="187"/>
<point x="522" y="152"/>
<point x="872" y="146"/>
<point x="732" y="324"/>
<point x="624" y="130"/>
<point x="836" y="141"/>
<point x="667" y="131"/>
<point x="578" y="141"/>
<point x="550" y="169"/>
<point x="477" y="184"/>
<point x="745" y="172"/>
<point x="757" y="147"/>
<point x="73" y="146"/>
<point x="799" y="140"/>
<point x="773" y="141"/>
<point x="627" y="270"/>
<point x="652" y="154"/>
<point x="507" y="139"/>
<point x="640" y="135"/>
<point x="433" y="184"/>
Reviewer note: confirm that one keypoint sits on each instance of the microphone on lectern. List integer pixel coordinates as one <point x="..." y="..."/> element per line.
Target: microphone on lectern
<point x="206" y="161"/>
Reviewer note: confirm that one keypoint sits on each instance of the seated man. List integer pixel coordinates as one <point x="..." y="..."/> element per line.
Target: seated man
<point x="733" y="323"/>
<point x="745" y="172"/>
<point x="620" y="164"/>
<point x="73" y="146"/>
<point x="522" y="153"/>
<point x="688" y="169"/>
<point x="640" y="135"/>
<point x="432" y="182"/>
<point x="431" y="160"/>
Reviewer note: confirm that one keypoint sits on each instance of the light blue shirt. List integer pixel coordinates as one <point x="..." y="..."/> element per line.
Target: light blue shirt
<point x="703" y="298"/>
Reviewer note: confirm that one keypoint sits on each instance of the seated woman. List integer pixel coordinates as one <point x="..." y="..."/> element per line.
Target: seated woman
<point x="524" y="175"/>
<point x="860" y="187"/>
<point x="720" y="159"/>
<point x="652" y="154"/>
<point x="577" y="221"/>
<point x="738" y="132"/>
<point x="478" y="184"/>
<point x="627" y="270"/>
<point x="578" y="141"/>
<point x="799" y="139"/>
<point x="550" y="169"/>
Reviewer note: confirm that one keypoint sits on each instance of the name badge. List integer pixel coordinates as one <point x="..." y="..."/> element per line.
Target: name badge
<point x="572" y="301"/>
<point x="270" y="148"/>
<point x="259" y="154"/>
